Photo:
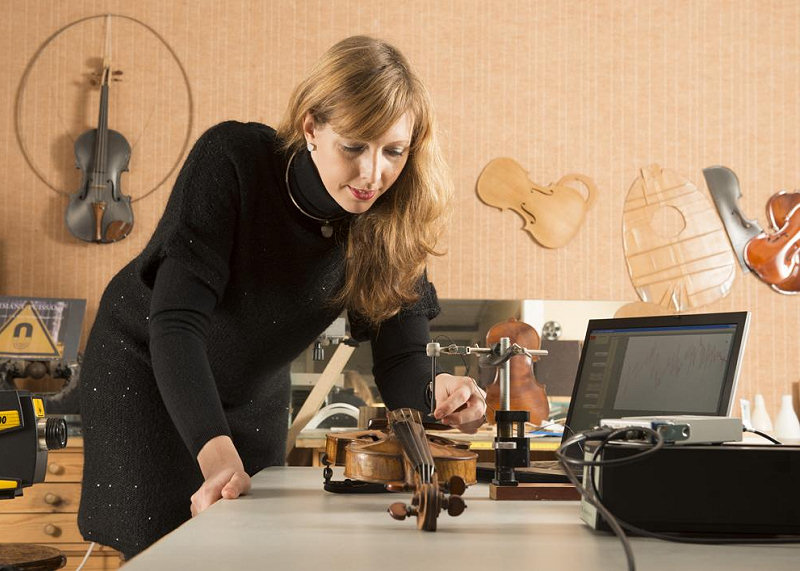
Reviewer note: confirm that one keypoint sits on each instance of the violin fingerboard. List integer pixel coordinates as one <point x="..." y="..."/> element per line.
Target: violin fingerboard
<point x="407" y="426"/>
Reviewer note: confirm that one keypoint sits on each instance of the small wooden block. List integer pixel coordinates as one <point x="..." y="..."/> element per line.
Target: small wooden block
<point x="534" y="491"/>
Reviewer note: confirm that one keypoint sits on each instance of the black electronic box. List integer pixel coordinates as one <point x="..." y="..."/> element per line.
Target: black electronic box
<point x="710" y="490"/>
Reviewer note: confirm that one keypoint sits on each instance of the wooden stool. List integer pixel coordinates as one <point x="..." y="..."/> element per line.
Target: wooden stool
<point x="31" y="557"/>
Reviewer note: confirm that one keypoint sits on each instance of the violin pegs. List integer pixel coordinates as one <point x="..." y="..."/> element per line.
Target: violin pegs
<point x="401" y="511"/>
<point x="456" y="486"/>
<point x="117" y="72"/>
<point x="397" y="486"/>
<point x="455" y="505"/>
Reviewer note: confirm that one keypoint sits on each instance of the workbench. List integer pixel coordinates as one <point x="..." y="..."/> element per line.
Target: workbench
<point x="289" y="522"/>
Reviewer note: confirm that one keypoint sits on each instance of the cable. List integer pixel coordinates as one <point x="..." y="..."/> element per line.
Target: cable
<point x="85" y="557"/>
<point x="762" y="435"/>
<point x="585" y="493"/>
<point x="606" y="435"/>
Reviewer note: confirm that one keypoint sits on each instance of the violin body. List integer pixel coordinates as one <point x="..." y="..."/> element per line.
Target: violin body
<point x="552" y="214"/>
<point x="98" y="211"/>
<point x="405" y="457"/>
<point x="376" y="456"/>
<point x="775" y="257"/>
<point x="526" y="392"/>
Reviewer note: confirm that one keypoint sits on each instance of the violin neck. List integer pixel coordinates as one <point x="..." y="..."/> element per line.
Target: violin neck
<point x="101" y="138"/>
<point x="407" y="426"/>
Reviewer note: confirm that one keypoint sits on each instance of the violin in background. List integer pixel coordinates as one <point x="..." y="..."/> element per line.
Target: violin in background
<point x="526" y="392"/>
<point x="99" y="211"/>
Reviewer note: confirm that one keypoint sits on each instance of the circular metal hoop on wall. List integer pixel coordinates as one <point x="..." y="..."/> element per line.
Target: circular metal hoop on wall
<point x="59" y="153"/>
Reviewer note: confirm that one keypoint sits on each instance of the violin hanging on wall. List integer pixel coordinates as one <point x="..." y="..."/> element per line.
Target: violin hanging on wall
<point x="99" y="212"/>
<point x="775" y="257"/>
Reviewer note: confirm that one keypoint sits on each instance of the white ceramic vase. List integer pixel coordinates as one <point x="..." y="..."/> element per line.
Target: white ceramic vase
<point x="759" y="415"/>
<point x="787" y="427"/>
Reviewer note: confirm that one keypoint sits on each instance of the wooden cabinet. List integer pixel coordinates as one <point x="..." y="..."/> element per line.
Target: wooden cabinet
<point x="47" y="513"/>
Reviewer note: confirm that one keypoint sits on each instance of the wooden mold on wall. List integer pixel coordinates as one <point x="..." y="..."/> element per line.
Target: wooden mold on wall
<point x="553" y="214"/>
<point x="676" y="250"/>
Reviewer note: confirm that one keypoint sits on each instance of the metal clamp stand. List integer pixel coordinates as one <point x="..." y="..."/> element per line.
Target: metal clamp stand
<point x="511" y="446"/>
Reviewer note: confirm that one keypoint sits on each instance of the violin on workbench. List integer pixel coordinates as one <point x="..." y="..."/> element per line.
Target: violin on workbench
<point x="403" y="458"/>
<point x="99" y="212"/>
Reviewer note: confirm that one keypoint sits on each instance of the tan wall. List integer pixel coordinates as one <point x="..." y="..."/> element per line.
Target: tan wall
<point x="600" y="88"/>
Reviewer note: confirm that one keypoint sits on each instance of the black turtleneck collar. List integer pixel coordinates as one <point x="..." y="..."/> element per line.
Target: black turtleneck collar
<point x="309" y="191"/>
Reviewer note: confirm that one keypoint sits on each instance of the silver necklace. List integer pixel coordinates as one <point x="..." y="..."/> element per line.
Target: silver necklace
<point x="327" y="228"/>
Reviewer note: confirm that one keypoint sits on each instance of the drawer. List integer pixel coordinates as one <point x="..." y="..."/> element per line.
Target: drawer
<point x="45" y="498"/>
<point x="39" y="528"/>
<point x="64" y="467"/>
<point x="94" y="563"/>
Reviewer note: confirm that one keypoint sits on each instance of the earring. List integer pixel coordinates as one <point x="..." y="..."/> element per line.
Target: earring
<point x="311" y="147"/>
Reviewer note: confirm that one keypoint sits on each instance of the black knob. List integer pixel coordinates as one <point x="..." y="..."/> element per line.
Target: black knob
<point x="456" y="486"/>
<point x="55" y="433"/>
<point x="456" y="505"/>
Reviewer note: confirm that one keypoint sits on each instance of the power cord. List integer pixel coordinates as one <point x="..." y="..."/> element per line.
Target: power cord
<point x="605" y="435"/>
<point x="85" y="557"/>
<point x="762" y="435"/>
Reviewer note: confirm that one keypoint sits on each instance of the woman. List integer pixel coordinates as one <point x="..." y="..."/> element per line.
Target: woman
<point x="265" y="239"/>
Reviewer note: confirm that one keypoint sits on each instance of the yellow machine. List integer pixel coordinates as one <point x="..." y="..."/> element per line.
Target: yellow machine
<point x="25" y="437"/>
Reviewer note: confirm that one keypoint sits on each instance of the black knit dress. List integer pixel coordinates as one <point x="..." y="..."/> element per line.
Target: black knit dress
<point x="231" y="227"/>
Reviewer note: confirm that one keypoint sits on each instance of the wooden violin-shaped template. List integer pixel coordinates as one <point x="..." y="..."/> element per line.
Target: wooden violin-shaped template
<point x="404" y="458"/>
<point x="775" y="257"/>
<point x="526" y="392"/>
<point x="552" y="214"/>
<point x="98" y="211"/>
<point x="676" y="249"/>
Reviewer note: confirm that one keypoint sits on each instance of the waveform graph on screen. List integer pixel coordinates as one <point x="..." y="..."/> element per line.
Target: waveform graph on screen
<point x="674" y="372"/>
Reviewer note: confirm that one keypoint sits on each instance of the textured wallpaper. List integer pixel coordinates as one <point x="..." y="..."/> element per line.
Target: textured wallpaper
<point x="600" y="88"/>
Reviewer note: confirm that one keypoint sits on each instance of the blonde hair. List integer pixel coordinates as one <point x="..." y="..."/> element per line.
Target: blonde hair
<point x="361" y="87"/>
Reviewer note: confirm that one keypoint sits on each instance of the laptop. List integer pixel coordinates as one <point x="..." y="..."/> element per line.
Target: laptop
<point x="648" y="366"/>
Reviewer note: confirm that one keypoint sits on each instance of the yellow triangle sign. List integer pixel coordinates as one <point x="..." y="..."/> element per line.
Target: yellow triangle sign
<point x="25" y="336"/>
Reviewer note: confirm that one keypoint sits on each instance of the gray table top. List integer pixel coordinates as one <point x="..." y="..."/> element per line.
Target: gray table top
<point x="289" y="522"/>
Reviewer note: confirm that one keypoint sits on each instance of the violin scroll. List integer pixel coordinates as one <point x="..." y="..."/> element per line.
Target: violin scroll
<point x="426" y="504"/>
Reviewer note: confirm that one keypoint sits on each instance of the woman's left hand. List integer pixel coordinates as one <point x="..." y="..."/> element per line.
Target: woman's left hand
<point x="459" y="402"/>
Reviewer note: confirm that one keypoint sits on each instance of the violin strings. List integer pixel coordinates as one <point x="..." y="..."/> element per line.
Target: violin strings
<point x="407" y="424"/>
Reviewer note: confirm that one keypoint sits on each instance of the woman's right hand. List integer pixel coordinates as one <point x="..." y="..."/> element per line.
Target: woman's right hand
<point x="223" y="472"/>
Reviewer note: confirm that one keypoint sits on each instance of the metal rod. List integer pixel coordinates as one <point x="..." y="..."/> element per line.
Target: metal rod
<point x="505" y="376"/>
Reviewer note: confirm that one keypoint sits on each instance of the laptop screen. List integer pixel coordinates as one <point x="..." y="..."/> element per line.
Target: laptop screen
<point x="642" y="366"/>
